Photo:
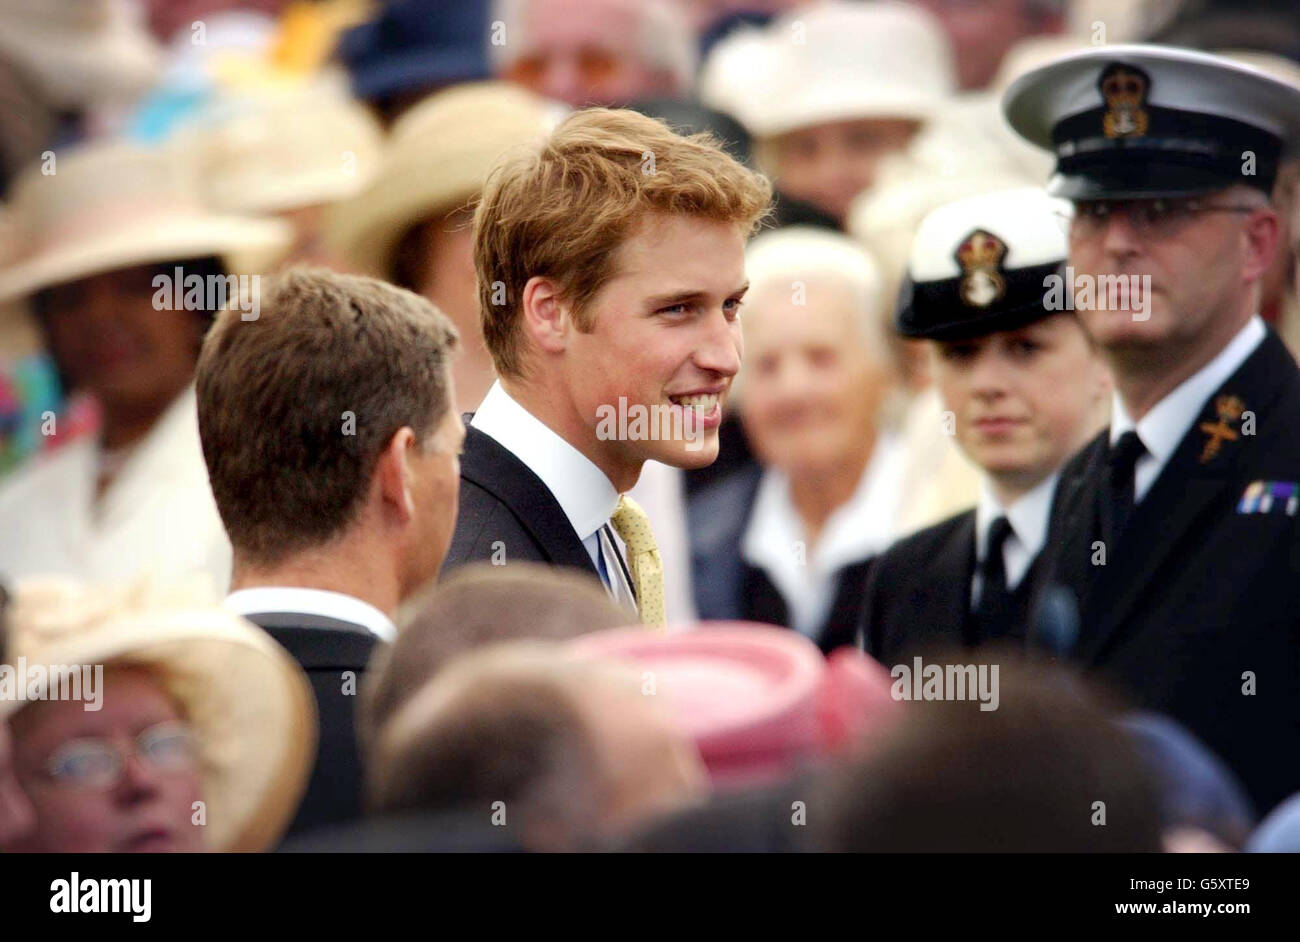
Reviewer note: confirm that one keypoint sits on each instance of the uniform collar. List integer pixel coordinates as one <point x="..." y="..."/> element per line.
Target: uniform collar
<point x="1028" y="515"/>
<point x="1167" y="423"/>
<point x="584" y="493"/>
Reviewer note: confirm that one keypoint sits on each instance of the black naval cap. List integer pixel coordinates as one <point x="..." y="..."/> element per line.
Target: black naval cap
<point x="984" y="264"/>
<point x="1144" y="122"/>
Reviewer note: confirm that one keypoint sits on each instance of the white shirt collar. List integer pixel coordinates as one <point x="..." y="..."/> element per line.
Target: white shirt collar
<point x="584" y="493"/>
<point x="1028" y="515"/>
<point x="267" y="599"/>
<point x="863" y="526"/>
<point x="1167" y="423"/>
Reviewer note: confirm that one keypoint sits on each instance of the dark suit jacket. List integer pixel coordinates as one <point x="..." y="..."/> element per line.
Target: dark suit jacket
<point x="726" y="587"/>
<point x="507" y="513"/>
<point x="917" y="597"/>
<point x="1195" y="594"/>
<point x="326" y="648"/>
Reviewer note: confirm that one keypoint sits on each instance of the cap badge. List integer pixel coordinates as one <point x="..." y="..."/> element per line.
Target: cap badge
<point x="1229" y="409"/>
<point x="980" y="255"/>
<point x="1125" y="89"/>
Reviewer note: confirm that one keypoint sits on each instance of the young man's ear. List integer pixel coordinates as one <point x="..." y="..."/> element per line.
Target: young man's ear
<point x="545" y="319"/>
<point x="394" y="475"/>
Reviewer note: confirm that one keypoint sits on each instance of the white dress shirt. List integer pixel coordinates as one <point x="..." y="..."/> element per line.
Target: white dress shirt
<point x="584" y="493"/>
<point x="1028" y="515"/>
<point x="1168" y="422"/>
<point x="157" y="517"/>
<point x="863" y="526"/>
<point x="268" y="599"/>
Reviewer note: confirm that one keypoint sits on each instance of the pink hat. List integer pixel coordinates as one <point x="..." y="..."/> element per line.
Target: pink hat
<point x="756" y="699"/>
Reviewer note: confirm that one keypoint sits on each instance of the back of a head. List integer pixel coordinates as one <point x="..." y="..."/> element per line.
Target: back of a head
<point x="1045" y="771"/>
<point x="296" y="405"/>
<point x="509" y="733"/>
<point x="475" y="606"/>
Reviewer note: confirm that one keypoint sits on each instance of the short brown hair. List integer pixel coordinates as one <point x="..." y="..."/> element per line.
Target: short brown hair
<point x="296" y="405"/>
<point x="563" y="211"/>
<point x="478" y="605"/>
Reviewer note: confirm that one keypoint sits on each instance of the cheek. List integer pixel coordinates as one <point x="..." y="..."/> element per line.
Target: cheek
<point x="69" y="821"/>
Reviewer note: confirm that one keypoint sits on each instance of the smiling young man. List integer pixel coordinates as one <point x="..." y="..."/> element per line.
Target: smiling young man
<point x="1177" y="531"/>
<point x="611" y="269"/>
<point x="1024" y="388"/>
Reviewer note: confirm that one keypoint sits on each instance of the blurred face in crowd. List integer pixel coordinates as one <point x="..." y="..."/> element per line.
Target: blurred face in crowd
<point x="1204" y="257"/>
<point x="16" y="816"/>
<point x="1023" y="400"/>
<point x="436" y="490"/>
<point x="664" y="335"/>
<point x="588" y="52"/>
<point x="829" y="164"/>
<point x="309" y="247"/>
<point x="109" y="340"/>
<point x="815" y="379"/>
<point x="981" y="32"/>
<point x="120" y="779"/>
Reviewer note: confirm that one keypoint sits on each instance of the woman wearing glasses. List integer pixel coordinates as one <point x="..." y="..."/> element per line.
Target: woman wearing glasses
<point x="144" y="723"/>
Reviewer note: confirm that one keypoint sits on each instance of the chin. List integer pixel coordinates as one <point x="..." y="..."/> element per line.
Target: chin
<point x="679" y="456"/>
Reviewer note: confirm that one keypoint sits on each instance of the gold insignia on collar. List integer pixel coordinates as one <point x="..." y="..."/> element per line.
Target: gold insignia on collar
<point x="979" y="255"/>
<point x="1229" y="409"/>
<point x="1125" y="89"/>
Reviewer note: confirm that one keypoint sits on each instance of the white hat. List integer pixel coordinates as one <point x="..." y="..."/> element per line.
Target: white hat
<point x="978" y="264"/>
<point x="286" y="148"/>
<point x="250" y="704"/>
<point x="835" y="61"/>
<point x="112" y="205"/>
<point x="1154" y="121"/>
<point x="438" y="156"/>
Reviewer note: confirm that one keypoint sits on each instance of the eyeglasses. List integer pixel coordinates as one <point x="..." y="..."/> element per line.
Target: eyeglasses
<point x="1156" y="217"/>
<point x="98" y="763"/>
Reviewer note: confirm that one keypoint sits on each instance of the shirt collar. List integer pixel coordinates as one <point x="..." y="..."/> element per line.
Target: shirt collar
<point x="1167" y="423"/>
<point x="1028" y="515"/>
<point x="267" y="599"/>
<point x="584" y="493"/>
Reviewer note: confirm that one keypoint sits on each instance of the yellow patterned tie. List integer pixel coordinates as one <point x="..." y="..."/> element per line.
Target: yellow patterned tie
<point x="643" y="559"/>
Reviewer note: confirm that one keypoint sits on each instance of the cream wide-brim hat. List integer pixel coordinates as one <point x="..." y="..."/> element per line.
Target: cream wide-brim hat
<point x="250" y="704"/>
<point x="438" y="156"/>
<point x="833" y="61"/>
<point x="117" y="204"/>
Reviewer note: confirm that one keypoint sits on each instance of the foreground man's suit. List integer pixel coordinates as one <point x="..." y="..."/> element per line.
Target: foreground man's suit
<point x="1196" y="612"/>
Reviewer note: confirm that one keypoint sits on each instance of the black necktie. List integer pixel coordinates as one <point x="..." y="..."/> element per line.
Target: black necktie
<point x="1123" y="459"/>
<point x="994" y="605"/>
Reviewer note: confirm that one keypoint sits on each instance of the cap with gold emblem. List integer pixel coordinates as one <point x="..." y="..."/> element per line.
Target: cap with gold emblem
<point x="984" y="264"/>
<point x="1145" y="122"/>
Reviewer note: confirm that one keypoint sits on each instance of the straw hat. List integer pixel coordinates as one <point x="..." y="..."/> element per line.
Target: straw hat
<point x="279" y="150"/>
<point x="757" y="700"/>
<point x="438" y="156"/>
<point x="116" y="204"/>
<point x="250" y="704"/>
<point x="835" y="61"/>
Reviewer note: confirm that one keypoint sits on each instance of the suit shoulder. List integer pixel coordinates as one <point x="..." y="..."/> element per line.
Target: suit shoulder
<point x="927" y="542"/>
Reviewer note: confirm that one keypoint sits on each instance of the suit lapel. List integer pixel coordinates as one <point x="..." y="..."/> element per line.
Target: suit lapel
<point x="490" y="465"/>
<point x="942" y="601"/>
<point x="1188" y="491"/>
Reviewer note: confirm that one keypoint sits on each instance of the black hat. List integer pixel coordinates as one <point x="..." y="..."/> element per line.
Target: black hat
<point x="984" y="264"/>
<point x="1136" y="121"/>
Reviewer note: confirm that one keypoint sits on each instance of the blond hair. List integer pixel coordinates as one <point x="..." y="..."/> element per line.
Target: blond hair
<point x="563" y="211"/>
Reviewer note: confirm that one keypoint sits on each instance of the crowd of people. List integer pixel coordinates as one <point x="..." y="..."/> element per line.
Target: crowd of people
<point x="649" y="425"/>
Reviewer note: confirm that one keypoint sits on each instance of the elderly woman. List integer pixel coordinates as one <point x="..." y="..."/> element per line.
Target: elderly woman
<point x="789" y="543"/>
<point x="187" y="729"/>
